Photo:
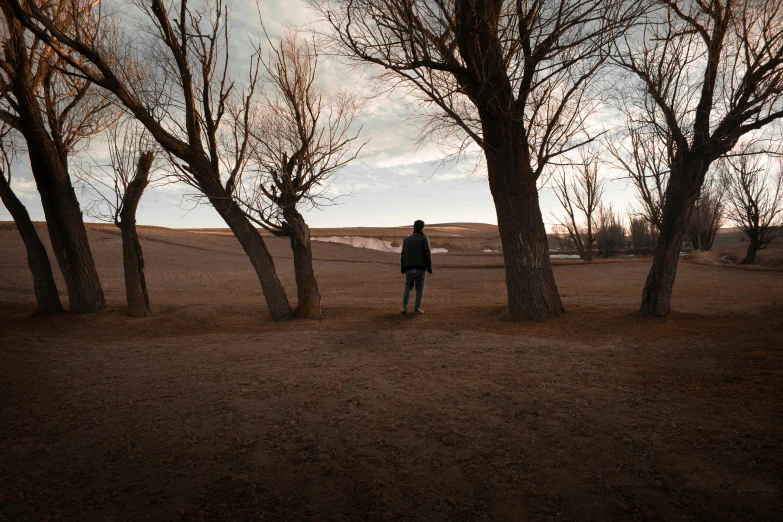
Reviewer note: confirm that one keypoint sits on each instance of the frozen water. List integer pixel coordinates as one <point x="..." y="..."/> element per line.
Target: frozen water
<point x="370" y="243"/>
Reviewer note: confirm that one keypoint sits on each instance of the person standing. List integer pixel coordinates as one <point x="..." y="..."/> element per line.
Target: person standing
<point x="415" y="258"/>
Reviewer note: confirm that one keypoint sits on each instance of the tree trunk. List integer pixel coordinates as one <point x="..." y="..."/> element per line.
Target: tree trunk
<point x="309" y="306"/>
<point x="750" y="255"/>
<point x="711" y="238"/>
<point x="133" y="262"/>
<point x="132" y="256"/>
<point x="532" y="292"/>
<point x="43" y="280"/>
<point x="656" y="297"/>
<point x="681" y="194"/>
<point x="66" y="228"/>
<point x="577" y="239"/>
<point x="61" y="208"/>
<point x="254" y="247"/>
<point x="590" y="239"/>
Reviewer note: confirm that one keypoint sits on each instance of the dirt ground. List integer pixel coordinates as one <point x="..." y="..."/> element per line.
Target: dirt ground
<point x="207" y="410"/>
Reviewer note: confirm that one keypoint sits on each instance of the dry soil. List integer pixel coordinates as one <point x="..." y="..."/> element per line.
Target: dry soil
<point x="207" y="410"/>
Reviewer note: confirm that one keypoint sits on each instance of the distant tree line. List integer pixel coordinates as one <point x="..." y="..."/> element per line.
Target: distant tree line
<point x="518" y="82"/>
<point x="745" y="189"/>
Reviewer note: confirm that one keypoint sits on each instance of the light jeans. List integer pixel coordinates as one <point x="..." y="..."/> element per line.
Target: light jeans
<point x="413" y="276"/>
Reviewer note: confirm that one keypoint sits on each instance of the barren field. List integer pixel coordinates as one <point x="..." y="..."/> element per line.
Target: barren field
<point x="209" y="411"/>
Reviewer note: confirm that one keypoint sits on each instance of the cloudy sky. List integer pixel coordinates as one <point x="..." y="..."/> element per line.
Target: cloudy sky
<point x="393" y="182"/>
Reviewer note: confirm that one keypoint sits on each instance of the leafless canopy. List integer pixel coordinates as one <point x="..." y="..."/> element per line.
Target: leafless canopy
<point x="754" y="193"/>
<point x="611" y="232"/>
<point x="107" y="185"/>
<point x="175" y="80"/>
<point x="300" y="139"/>
<point x="74" y="109"/>
<point x="580" y="198"/>
<point x="549" y="50"/>
<point x="706" y="72"/>
<point x="563" y="237"/>
<point x="643" y="234"/>
<point x="710" y="71"/>
<point x="708" y="214"/>
<point x="644" y="160"/>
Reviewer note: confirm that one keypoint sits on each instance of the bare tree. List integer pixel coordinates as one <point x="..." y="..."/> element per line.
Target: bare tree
<point x="580" y="203"/>
<point x="755" y="200"/>
<point x="46" y="294"/>
<point x="643" y="234"/>
<point x="708" y="72"/>
<point x="184" y="96"/>
<point x="611" y="233"/>
<point x="302" y="139"/>
<point x="563" y="237"/>
<point x="515" y="78"/>
<point x="116" y="195"/>
<point x="644" y="160"/>
<point x="707" y="215"/>
<point x="55" y="113"/>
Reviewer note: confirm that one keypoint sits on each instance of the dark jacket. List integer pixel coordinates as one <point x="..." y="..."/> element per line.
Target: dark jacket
<point x="416" y="253"/>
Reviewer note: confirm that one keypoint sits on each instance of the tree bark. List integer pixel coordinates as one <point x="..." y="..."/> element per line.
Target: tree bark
<point x="750" y="255"/>
<point x="590" y="239"/>
<point x="577" y="239"/>
<point x="132" y="256"/>
<point x="253" y="244"/>
<point x="133" y="262"/>
<point x="309" y="306"/>
<point x="46" y="294"/>
<point x="532" y="292"/>
<point x="61" y="208"/>
<point x="681" y="194"/>
<point x="657" y="293"/>
<point x="65" y="225"/>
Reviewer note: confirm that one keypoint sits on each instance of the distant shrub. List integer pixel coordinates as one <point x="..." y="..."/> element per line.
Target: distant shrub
<point x="611" y="232"/>
<point x="643" y="234"/>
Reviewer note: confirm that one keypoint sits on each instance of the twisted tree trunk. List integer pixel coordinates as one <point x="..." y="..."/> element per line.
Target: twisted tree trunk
<point x="132" y="257"/>
<point x="253" y="245"/>
<point x="261" y="259"/>
<point x="133" y="262"/>
<point x="46" y="294"/>
<point x="309" y="306"/>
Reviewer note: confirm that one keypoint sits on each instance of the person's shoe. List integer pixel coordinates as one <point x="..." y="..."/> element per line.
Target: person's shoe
<point x="418" y="311"/>
<point x="404" y="311"/>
